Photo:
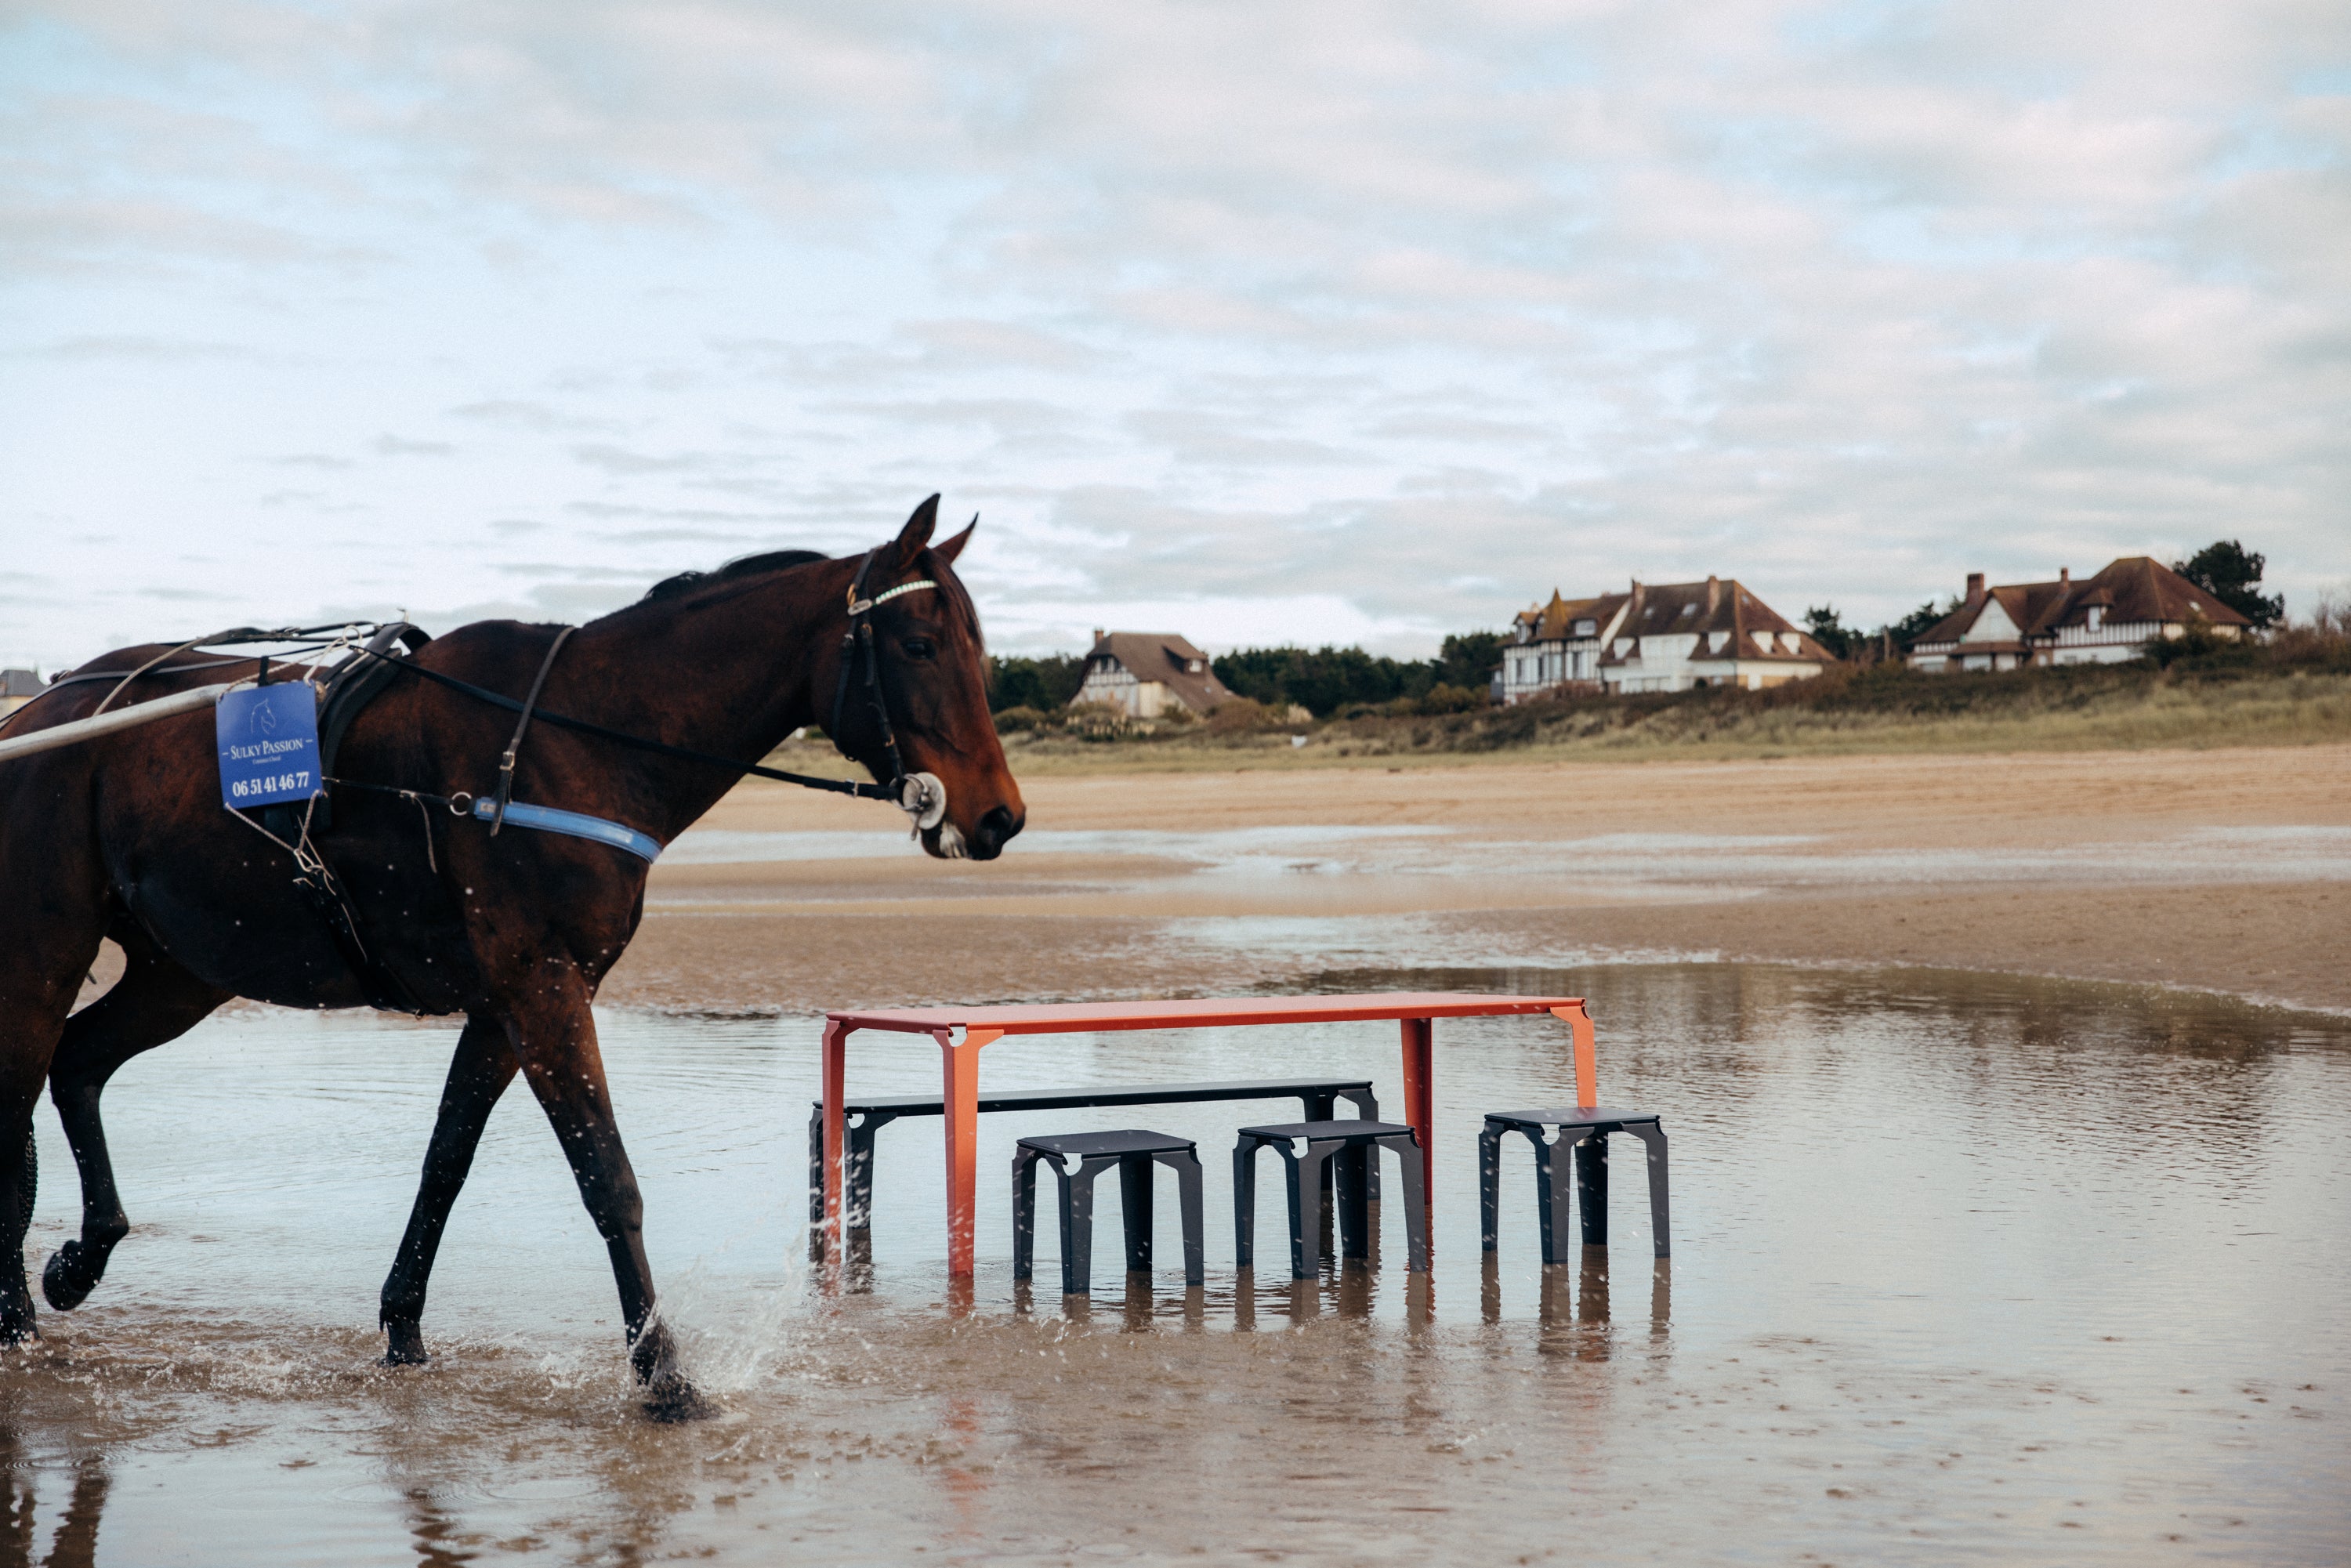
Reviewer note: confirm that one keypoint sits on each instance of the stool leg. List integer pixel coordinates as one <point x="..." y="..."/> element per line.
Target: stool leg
<point x="1660" y="1218"/>
<point x="1134" y="1207"/>
<point x="1367" y="1107"/>
<point x="858" y="1205"/>
<point x="1078" y="1225"/>
<point x="1416" y="1202"/>
<point x="1551" y="1162"/>
<point x="1317" y="1108"/>
<point x="1591" y="1187"/>
<point x="816" y="1182"/>
<point x="1489" y="1186"/>
<point x="1245" y="1202"/>
<point x="1187" y="1167"/>
<point x="1305" y="1173"/>
<point x="1354" y="1214"/>
<point x="1024" y="1213"/>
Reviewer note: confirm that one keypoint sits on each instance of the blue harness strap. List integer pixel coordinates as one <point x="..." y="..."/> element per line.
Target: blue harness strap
<point x="575" y="824"/>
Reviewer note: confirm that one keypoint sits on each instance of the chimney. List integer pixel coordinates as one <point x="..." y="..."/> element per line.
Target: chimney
<point x="1098" y="636"/>
<point x="2065" y="577"/>
<point x="1713" y="594"/>
<point x="1975" y="586"/>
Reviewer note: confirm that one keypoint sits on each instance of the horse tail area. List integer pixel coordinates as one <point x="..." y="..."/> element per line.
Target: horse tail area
<point x="54" y="912"/>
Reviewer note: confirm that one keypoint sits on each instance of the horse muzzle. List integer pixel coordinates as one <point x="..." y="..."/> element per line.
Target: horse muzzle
<point x="991" y="833"/>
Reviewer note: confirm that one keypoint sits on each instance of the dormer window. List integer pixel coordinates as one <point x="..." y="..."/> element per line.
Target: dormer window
<point x="2097" y="616"/>
<point x="1195" y="666"/>
<point x="1586" y="628"/>
<point x="1689" y="609"/>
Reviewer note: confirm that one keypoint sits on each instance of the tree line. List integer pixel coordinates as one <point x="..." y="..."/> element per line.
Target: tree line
<point x="1324" y="681"/>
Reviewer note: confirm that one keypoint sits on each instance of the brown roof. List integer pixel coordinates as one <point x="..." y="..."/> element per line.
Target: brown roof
<point x="2137" y="589"/>
<point x="1555" y="622"/>
<point x="1718" y="604"/>
<point x="1166" y="657"/>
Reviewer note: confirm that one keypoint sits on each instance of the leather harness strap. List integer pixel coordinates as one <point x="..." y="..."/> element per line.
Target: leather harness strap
<point x="507" y="762"/>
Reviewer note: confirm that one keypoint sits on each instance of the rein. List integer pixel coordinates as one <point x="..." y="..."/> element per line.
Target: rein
<point x="642" y="743"/>
<point x="920" y="795"/>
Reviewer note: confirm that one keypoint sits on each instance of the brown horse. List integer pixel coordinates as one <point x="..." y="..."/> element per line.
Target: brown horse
<point x="124" y="836"/>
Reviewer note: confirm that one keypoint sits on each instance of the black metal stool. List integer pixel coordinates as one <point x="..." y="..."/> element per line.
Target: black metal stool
<point x="1349" y="1149"/>
<point x="1586" y="1129"/>
<point x="1133" y="1151"/>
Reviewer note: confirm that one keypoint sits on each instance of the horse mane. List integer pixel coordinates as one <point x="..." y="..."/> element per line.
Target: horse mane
<point x="951" y="588"/>
<point x="743" y="566"/>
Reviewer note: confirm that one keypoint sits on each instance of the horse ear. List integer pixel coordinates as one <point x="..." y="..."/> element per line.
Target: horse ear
<point x="954" y="546"/>
<point x="917" y="531"/>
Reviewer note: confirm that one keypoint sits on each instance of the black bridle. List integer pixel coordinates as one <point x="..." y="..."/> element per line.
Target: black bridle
<point x="920" y="795"/>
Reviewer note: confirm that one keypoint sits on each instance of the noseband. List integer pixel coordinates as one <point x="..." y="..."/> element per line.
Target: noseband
<point x="920" y="795"/>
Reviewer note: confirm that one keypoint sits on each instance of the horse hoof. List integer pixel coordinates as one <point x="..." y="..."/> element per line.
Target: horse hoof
<point x="72" y="1272"/>
<point x="671" y="1399"/>
<point x="404" y="1345"/>
<point x="16" y="1326"/>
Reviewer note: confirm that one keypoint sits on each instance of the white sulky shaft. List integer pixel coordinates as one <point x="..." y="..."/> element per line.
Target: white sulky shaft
<point x="129" y="717"/>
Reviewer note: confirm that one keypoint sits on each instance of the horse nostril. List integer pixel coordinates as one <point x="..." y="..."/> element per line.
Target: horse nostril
<point x="992" y="832"/>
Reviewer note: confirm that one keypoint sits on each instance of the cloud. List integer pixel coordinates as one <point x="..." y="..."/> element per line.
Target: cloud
<point x="1415" y="309"/>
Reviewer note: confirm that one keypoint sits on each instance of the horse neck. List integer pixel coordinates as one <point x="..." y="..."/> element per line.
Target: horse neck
<point x="727" y="674"/>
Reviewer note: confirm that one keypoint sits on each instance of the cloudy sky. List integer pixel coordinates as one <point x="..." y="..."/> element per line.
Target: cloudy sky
<point x="1263" y="322"/>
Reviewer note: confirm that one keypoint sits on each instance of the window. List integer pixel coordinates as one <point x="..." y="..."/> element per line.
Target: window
<point x="1587" y="628"/>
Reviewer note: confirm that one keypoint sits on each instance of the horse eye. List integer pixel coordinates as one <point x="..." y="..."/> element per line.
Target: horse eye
<point x="919" y="648"/>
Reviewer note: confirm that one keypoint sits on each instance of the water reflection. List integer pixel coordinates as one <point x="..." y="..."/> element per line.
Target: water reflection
<point x="1857" y="1274"/>
<point x="73" y="1539"/>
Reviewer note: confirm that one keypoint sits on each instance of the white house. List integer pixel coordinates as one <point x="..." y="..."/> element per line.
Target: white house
<point x="2103" y="619"/>
<point x="1663" y="638"/>
<point x="1146" y="672"/>
<point x="1558" y="645"/>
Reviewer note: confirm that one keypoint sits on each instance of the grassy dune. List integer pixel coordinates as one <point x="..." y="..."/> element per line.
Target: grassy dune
<point x="1843" y="713"/>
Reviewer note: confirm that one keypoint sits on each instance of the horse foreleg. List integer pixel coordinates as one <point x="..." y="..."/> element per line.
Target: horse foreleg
<point x="155" y="1002"/>
<point x="478" y="1073"/>
<point x="555" y="1042"/>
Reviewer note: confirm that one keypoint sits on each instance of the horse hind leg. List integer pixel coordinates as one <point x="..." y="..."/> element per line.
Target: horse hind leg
<point x="155" y="1002"/>
<point x="32" y="1008"/>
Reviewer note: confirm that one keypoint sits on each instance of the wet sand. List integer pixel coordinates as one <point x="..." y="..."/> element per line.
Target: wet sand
<point x="1964" y="1265"/>
<point x="2227" y="871"/>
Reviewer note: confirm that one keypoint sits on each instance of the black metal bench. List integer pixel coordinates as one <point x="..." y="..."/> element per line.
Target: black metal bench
<point x="866" y="1117"/>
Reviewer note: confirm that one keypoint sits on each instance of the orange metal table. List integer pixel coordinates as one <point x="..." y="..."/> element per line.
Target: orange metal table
<point x="1416" y="1011"/>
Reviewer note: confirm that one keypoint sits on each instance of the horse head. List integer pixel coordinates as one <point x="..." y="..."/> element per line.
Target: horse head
<point x="930" y="664"/>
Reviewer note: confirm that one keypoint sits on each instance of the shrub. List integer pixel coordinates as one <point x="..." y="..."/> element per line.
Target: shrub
<point x="1445" y="697"/>
<point x="1013" y="720"/>
<point x="1097" y="721"/>
<point x="1240" y="716"/>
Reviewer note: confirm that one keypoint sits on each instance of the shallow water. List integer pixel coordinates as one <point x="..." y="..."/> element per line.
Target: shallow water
<point x="1963" y="1267"/>
<point x="1711" y="862"/>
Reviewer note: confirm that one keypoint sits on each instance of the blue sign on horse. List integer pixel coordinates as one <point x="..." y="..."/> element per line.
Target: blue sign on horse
<point x="268" y="741"/>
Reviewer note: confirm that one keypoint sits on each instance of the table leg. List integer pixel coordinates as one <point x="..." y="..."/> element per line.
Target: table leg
<point x="959" y="1088"/>
<point x="1420" y="1096"/>
<point x="836" y="1095"/>
<point x="1587" y="1067"/>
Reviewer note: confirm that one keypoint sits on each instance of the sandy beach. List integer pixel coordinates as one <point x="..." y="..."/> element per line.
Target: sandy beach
<point x="2224" y="870"/>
